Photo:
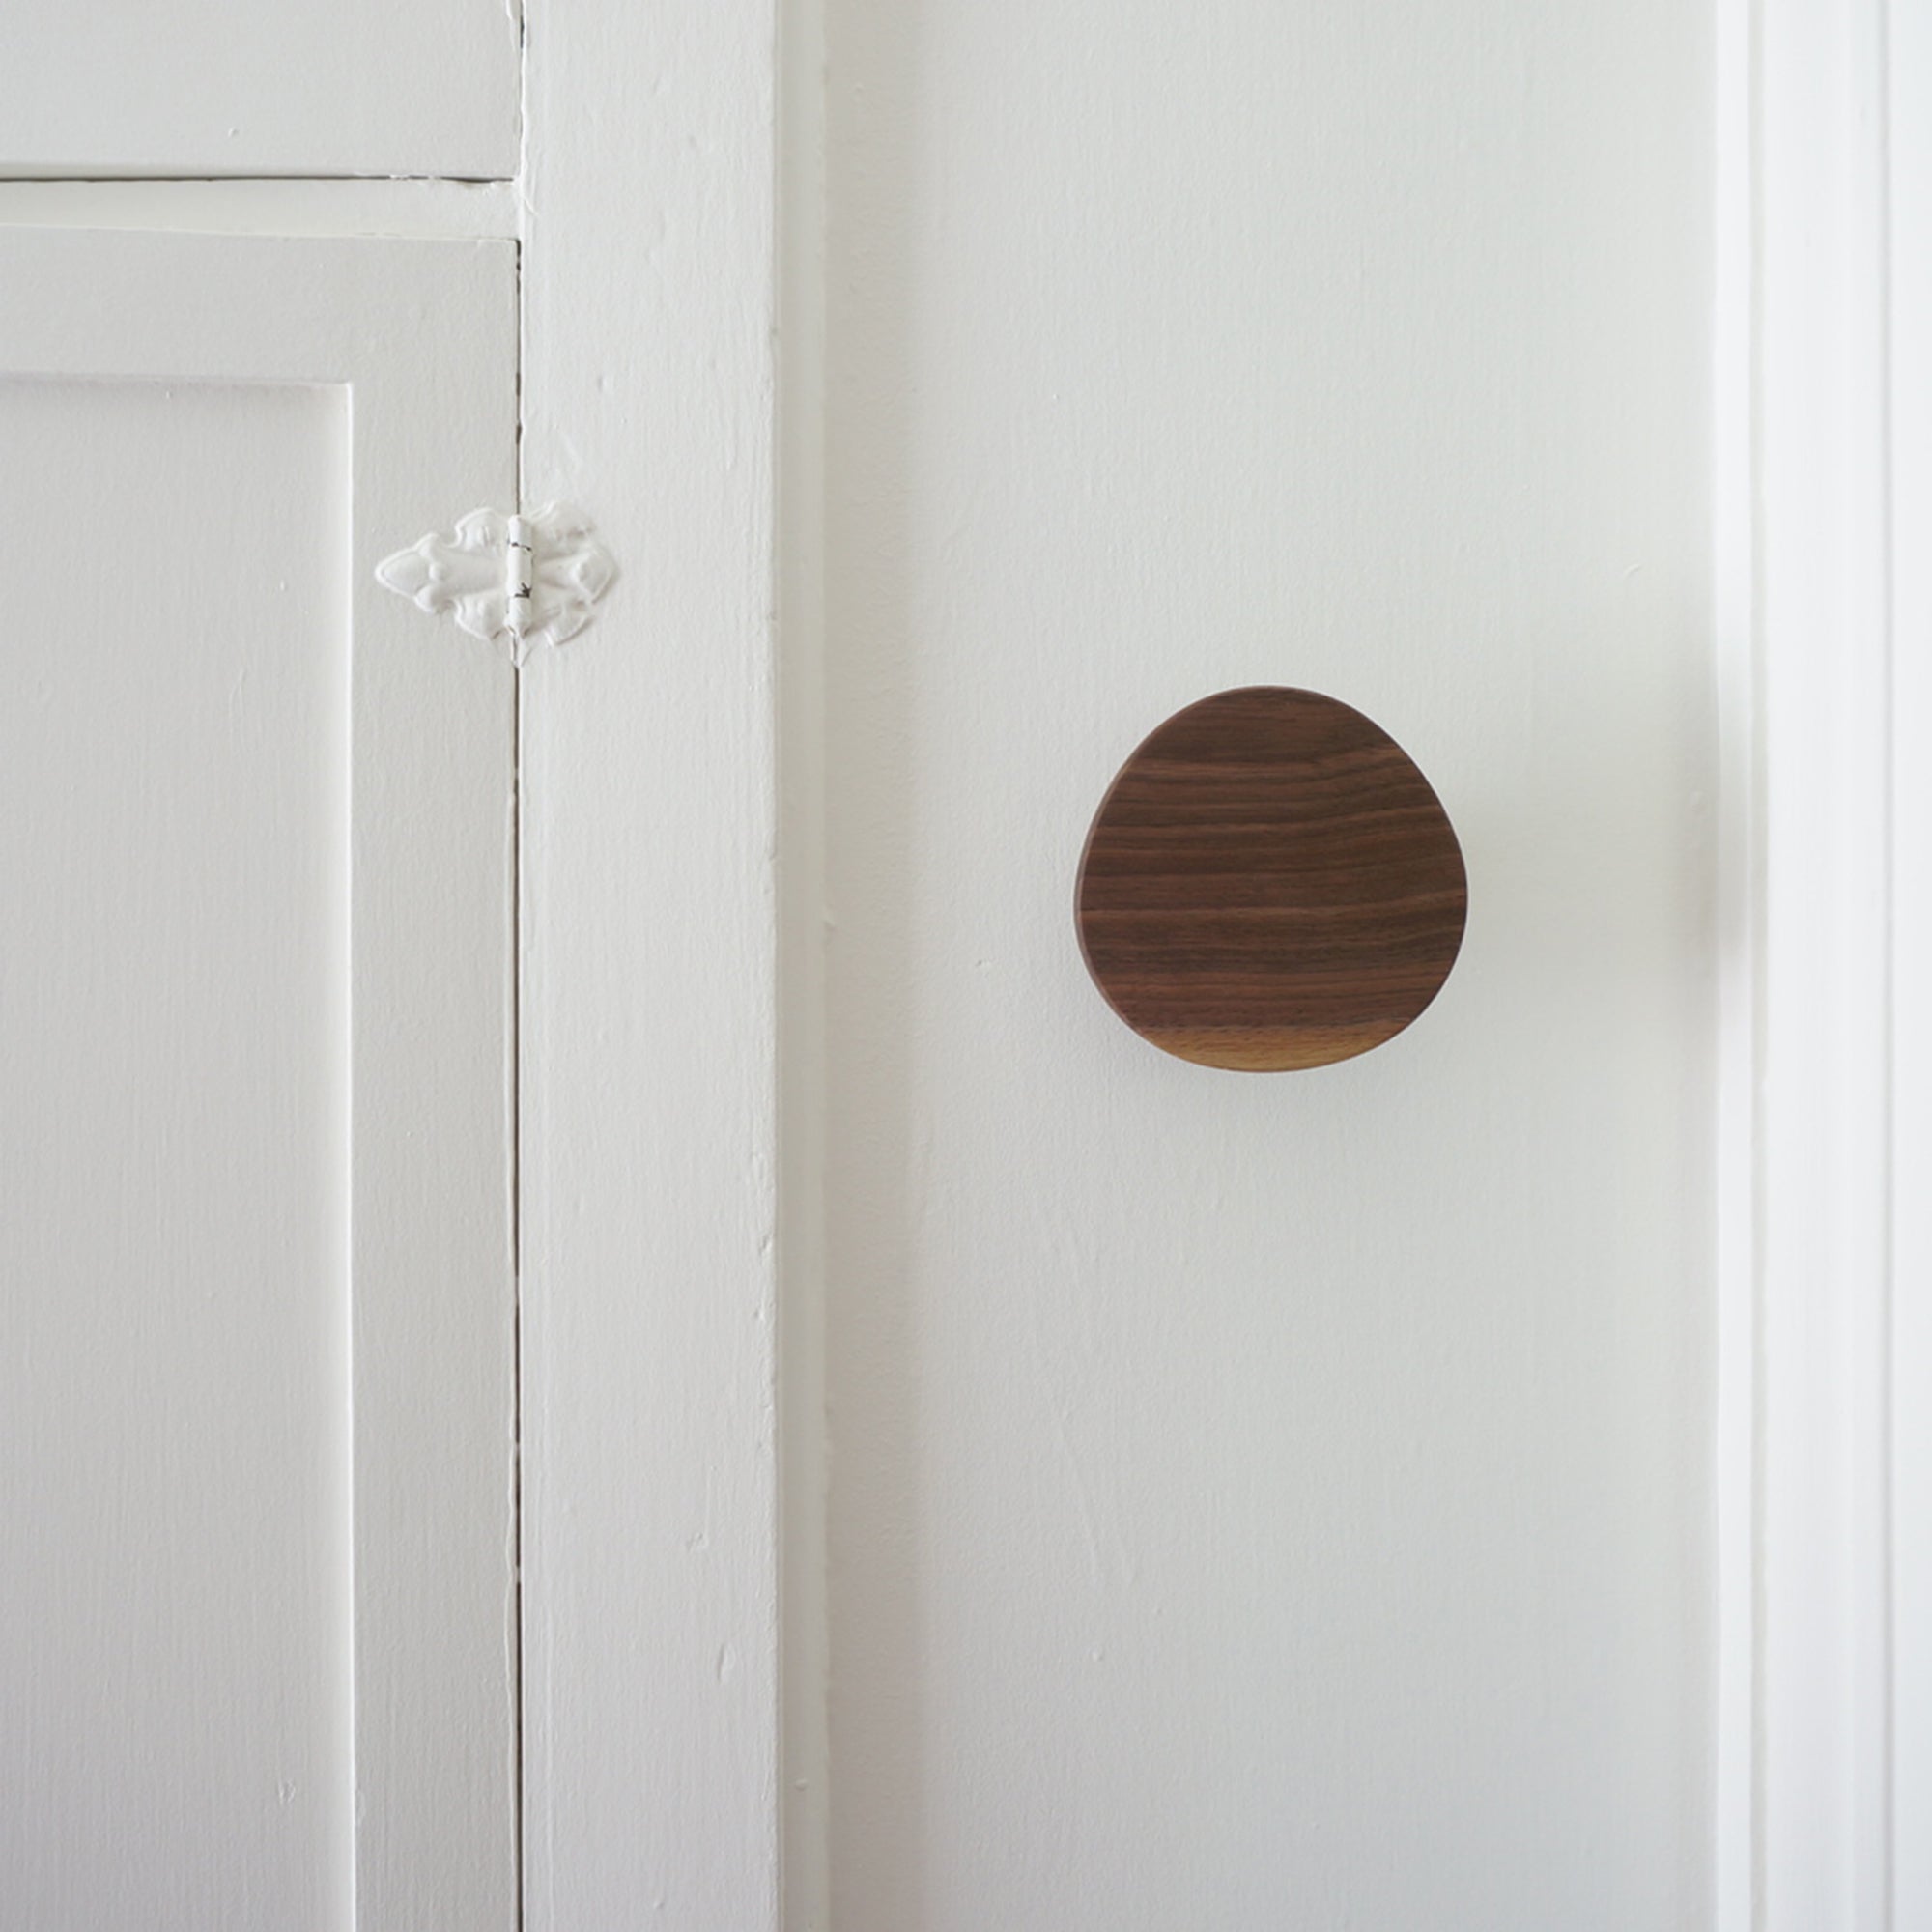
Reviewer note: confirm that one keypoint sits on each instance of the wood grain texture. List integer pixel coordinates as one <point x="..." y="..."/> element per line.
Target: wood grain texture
<point x="1270" y="883"/>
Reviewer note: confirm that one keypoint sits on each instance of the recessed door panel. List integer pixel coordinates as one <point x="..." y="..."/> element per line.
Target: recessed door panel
<point x="173" y="837"/>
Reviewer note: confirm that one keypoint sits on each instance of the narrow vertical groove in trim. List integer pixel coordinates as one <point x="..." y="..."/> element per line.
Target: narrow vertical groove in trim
<point x="520" y="1806"/>
<point x="800" y="1529"/>
<point x="517" y="1287"/>
<point x="1760" y="1782"/>
<point x="517" y="1802"/>
<point x="1886" y="1632"/>
<point x="1759" y="1768"/>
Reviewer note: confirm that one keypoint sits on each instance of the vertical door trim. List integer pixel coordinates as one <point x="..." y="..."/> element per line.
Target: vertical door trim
<point x="1822" y="1290"/>
<point x="1908" y="149"/>
<point x="649" y="1084"/>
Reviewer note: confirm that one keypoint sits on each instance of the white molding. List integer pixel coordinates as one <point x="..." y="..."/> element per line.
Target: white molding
<point x="1806" y="1805"/>
<point x="648" y="1103"/>
<point x="1909" y="147"/>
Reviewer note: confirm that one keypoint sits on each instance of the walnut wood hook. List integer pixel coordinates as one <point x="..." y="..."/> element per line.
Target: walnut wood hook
<point x="1270" y="883"/>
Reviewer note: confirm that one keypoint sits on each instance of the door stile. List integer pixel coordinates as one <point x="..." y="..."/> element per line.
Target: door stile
<point x="647" y="1035"/>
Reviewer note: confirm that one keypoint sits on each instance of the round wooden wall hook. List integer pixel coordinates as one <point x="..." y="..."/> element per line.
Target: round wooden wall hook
<point x="1270" y="883"/>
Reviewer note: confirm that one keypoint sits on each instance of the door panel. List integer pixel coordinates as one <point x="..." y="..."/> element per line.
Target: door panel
<point x="254" y="1027"/>
<point x="1267" y="1500"/>
<point x="321" y="87"/>
<point x="176" y="1153"/>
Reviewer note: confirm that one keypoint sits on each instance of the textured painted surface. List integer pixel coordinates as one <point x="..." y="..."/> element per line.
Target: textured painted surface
<point x="1266" y="1502"/>
<point x="257" y="1476"/>
<point x="305" y="87"/>
<point x="649" y="1083"/>
<point x="177" y="1501"/>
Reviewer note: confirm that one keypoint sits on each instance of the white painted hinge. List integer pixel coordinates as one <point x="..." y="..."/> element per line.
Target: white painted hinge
<point x="528" y="579"/>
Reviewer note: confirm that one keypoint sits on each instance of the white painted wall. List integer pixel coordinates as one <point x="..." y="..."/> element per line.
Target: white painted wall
<point x="1266" y="1501"/>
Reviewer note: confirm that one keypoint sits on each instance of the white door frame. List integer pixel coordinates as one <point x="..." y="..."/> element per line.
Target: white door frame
<point x="650" y="1089"/>
<point x="1825" y="298"/>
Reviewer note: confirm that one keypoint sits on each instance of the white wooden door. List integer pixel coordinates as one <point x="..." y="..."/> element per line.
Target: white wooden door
<point x="256" y="1409"/>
